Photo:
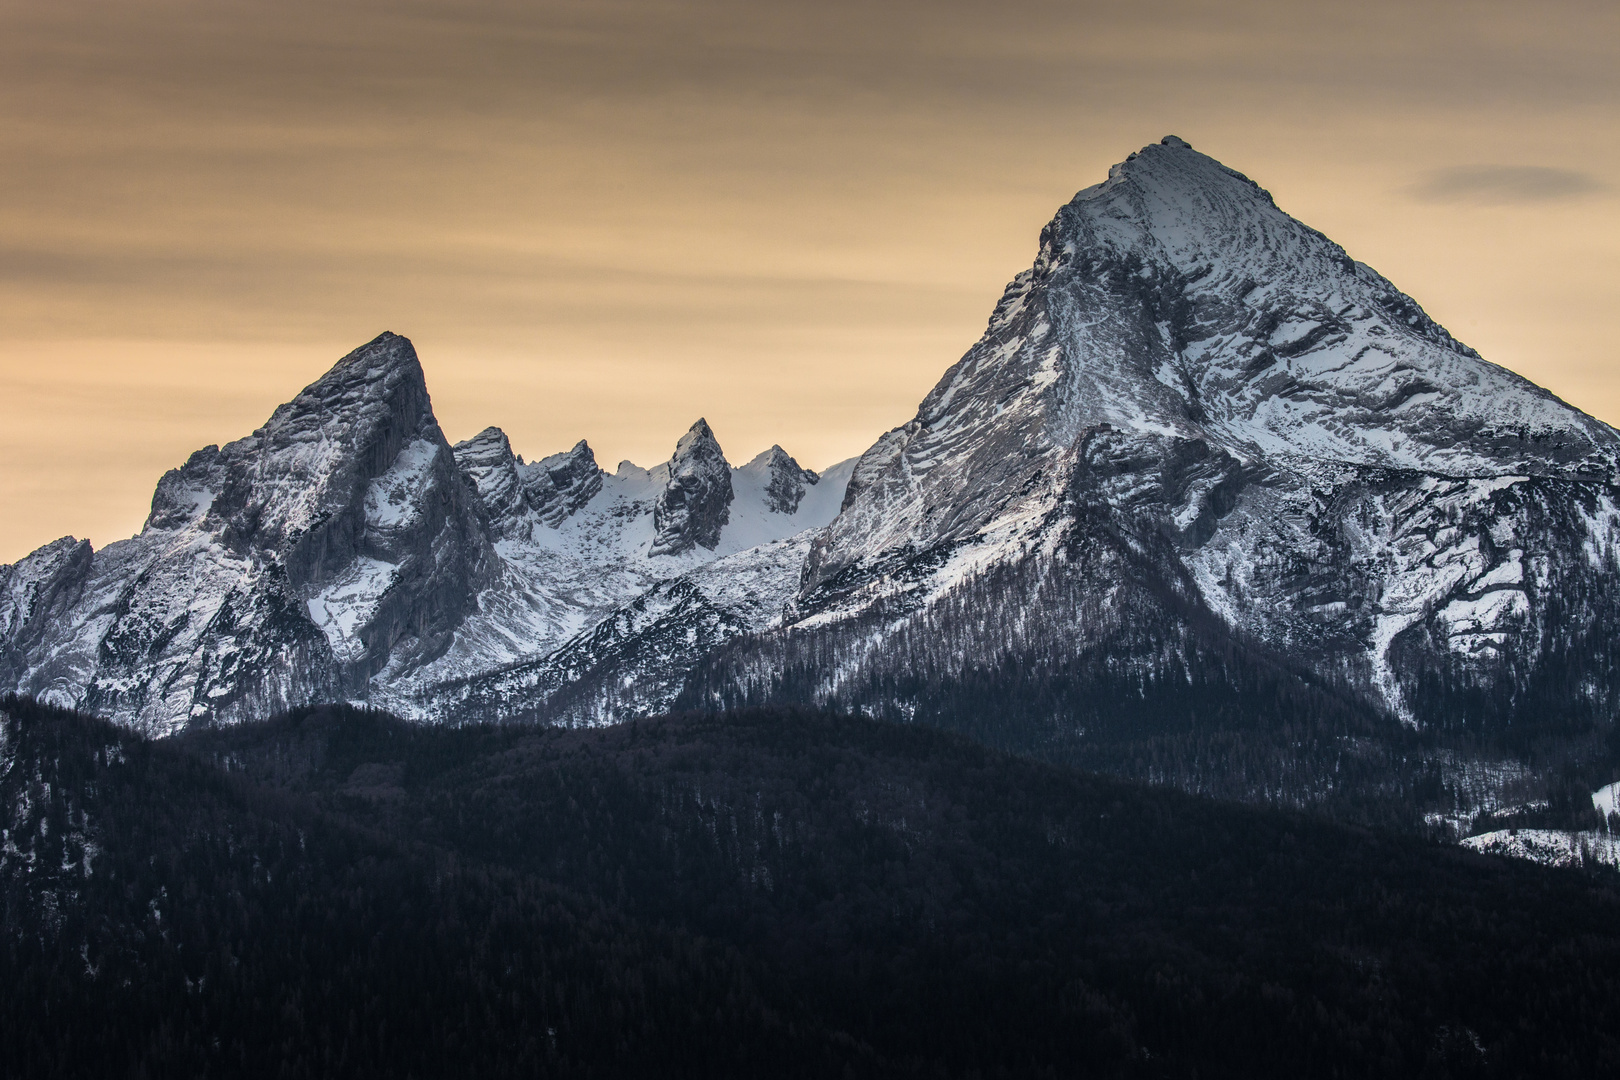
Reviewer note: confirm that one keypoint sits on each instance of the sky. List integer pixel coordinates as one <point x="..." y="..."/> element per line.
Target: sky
<point x="605" y="219"/>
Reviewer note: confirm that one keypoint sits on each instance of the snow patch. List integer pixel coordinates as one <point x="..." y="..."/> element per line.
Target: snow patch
<point x="1550" y="847"/>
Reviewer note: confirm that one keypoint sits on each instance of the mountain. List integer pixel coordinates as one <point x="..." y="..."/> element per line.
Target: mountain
<point x="1200" y="464"/>
<point x="1209" y="503"/>
<point x="346" y="551"/>
<point x="336" y="893"/>
<point x="1192" y="375"/>
<point x="291" y="565"/>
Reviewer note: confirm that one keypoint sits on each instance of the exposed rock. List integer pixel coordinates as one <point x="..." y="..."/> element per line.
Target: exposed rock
<point x="788" y="481"/>
<point x="696" y="501"/>
<point x="288" y="566"/>
<point x="1290" y="441"/>
<point x="36" y="593"/>
<point x="345" y="551"/>
<point x="561" y="485"/>
<point x="486" y="459"/>
<point x="1198" y="447"/>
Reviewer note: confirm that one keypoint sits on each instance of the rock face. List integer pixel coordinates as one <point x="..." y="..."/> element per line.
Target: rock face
<point x="562" y="484"/>
<point x="290" y="565"/>
<point x="487" y="460"/>
<point x="1304" y="453"/>
<point x="696" y="501"/>
<point x="788" y="482"/>
<point x="615" y="586"/>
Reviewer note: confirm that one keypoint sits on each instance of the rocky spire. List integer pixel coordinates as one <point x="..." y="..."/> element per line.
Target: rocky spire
<point x="695" y="505"/>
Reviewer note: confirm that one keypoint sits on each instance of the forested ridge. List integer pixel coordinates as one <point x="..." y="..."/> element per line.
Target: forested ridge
<point x="761" y="893"/>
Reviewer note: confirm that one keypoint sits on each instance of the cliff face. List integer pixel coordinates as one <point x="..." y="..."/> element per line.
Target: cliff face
<point x="695" y="504"/>
<point x="290" y="565"/>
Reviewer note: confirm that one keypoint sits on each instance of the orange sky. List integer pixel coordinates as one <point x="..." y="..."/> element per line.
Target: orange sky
<point x="604" y="219"/>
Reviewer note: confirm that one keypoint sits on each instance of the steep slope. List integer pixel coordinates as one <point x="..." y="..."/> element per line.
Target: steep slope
<point x="1209" y="502"/>
<point x="287" y="566"/>
<point x="1194" y="426"/>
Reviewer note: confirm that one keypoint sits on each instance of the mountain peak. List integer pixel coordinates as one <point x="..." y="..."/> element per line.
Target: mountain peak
<point x="486" y="459"/>
<point x="1170" y="206"/>
<point x="491" y="438"/>
<point x="695" y="505"/>
<point x="559" y="485"/>
<point x="699" y="439"/>
<point x="383" y="373"/>
<point x="788" y="482"/>
<point x="1176" y="301"/>
<point x="386" y="356"/>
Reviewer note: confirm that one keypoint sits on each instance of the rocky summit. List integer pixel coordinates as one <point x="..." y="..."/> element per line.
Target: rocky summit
<point x="1210" y="502"/>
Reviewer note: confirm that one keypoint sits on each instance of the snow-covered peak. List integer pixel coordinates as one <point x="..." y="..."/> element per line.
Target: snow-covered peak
<point x="1266" y="335"/>
<point x="782" y="479"/>
<point x="1176" y="302"/>
<point x="695" y="504"/>
<point x="307" y="470"/>
<point x="698" y="443"/>
<point x="382" y="374"/>
<point x="185" y="494"/>
<point x="35" y="585"/>
<point x="1169" y="204"/>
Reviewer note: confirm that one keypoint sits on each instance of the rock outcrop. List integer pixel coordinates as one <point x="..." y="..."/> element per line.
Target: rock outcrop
<point x="695" y="504"/>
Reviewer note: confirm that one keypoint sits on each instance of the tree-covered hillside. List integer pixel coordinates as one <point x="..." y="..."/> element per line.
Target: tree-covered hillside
<point x="768" y="893"/>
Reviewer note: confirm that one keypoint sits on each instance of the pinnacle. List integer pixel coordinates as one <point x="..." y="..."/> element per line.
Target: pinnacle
<point x="699" y="440"/>
<point x="490" y="434"/>
<point x="386" y="351"/>
<point x="384" y="358"/>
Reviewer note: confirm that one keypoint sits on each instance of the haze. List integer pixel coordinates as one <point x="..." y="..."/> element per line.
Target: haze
<point x="603" y="220"/>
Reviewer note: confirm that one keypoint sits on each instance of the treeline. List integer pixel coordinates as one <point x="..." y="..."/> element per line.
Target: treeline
<point x="1140" y="680"/>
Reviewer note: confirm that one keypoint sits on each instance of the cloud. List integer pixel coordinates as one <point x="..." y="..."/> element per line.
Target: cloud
<point x="1500" y="185"/>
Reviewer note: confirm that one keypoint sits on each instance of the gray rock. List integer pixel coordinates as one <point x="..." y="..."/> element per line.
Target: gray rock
<point x="487" y="461"/>
<point x="561" y="485"/>
<point x="788" y="482"/>
<point x="289" y="566"/>
<point x="696" y="502"/>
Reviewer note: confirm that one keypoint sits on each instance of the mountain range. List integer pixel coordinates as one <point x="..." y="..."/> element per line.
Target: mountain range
<point x="1210" y="503"/>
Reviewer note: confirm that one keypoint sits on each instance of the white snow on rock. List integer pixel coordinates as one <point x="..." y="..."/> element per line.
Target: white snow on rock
<point x="1342" y="474"/>
<point x="564" y="575"/>
<point x="1550" y="847"/>
<point x="1214" y="395"/>
<point x="1606" y="799"/>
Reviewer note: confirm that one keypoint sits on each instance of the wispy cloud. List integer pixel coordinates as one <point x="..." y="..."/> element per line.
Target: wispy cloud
<point x="1505" y="184"/>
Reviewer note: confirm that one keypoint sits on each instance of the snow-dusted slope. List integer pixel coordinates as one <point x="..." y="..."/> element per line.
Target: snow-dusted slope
<point x="1175" y="303"/>
<point x="345" y="550"/>
<point x="568" y="574"/>
<point x="1193" y="396"/>
<point x="1198" y="452"/>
